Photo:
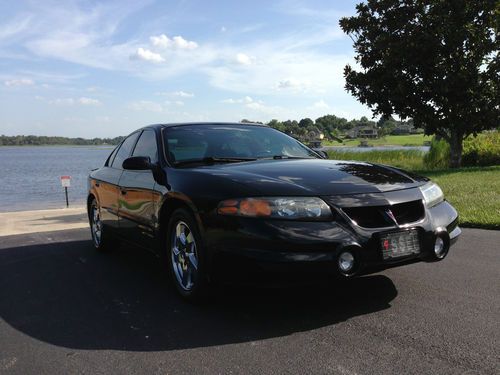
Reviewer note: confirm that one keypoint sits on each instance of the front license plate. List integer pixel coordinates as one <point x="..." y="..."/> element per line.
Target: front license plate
<point x="399" y="244"/>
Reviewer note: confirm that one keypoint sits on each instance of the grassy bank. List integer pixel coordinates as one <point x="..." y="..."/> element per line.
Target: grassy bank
<point x="474" y="192"/>
<point x="390" y="140"/>
<point x="407" y="159"/>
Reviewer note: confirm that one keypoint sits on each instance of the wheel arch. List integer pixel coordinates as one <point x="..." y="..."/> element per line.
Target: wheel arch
<point x="173" y="203"/>
<point x="90" y="198"/>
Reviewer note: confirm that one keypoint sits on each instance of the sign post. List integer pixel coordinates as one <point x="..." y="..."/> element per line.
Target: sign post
<point x="66" y="183"/>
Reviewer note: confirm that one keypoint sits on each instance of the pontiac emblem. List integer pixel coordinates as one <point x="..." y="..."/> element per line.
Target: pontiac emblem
<point x="390" y="215"/>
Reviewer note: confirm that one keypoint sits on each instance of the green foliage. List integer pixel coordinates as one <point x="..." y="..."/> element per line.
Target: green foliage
<point x="34" y="140"/>
<point x="434" y="61"/>
<point x="438" y="156"/>
<point x="387" y="126"/>
<point x="482" y="150"/>
<point x="407" y="159"/>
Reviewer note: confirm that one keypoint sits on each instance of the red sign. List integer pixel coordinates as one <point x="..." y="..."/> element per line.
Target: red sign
<point x="65" y="181"/>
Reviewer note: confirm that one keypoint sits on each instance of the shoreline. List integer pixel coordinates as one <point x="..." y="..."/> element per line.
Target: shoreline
<point x="44" y="220"/>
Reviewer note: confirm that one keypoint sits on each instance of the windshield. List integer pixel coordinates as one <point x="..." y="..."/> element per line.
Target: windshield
<point x="226" y="142"/>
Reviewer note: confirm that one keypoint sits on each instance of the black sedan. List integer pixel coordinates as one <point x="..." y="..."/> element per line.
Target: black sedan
<point x="229" y="201"/>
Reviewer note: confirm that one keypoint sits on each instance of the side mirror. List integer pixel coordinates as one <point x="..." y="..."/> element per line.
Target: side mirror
<point x="137" y="163"/>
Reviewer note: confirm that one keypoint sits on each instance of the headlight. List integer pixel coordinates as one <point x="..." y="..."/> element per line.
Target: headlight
<point x="432" y="194"/>
<point x="296" y="208"/>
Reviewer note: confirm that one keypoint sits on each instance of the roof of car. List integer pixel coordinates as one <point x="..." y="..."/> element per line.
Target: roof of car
<point x="159" y="126"/>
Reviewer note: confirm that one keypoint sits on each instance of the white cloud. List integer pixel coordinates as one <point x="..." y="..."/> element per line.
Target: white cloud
<point x="244" y="59"/>
<point x="255" y="105"/>
<point x="15" y="27"/>
<point x="175" y="102"/>
<point x="271" y="111"/>
<point x="62" y="101"/>
<point x="178" y="94"/>
<point x="146" y="105"/>
<point x="177" y="42"/>
<point x="183" y="94"/>
<point x="246" y="99"/>
<point x="19" y="82"/>
<point x="88" y="101"/>
<point x="223" y="29"/>
<point x="147" y="55"/>
<point x="80" y="33"/>
<point x="72" y="101"/>
<point x="249" y="103"/>
<point x="293" y="84"/>
<point x="321" y="104"/>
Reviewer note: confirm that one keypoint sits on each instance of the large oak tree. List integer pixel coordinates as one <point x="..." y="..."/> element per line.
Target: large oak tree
<point x="436" y="61"/>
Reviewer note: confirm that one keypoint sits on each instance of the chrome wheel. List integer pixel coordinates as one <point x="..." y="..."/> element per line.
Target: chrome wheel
<point x="96" y="225"/>
<point x="184" y="256"/>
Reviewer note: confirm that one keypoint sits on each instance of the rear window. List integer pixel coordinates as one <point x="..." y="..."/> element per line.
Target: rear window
<point x="124" y="150"/>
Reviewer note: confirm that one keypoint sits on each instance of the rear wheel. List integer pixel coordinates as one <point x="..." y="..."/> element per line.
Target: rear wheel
<point x="100" y="236"/>
<point x="185" y="256"/>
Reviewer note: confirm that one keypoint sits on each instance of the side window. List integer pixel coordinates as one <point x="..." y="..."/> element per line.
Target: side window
<point x="125" y="150"/>
<point x="146" y="146"/>
<point x="110" y="158"/>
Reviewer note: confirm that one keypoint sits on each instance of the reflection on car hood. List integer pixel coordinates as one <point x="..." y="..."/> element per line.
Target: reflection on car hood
<point x="314" y="176"/>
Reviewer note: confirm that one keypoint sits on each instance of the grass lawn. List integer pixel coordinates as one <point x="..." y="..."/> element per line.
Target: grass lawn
<point x="390" y="140"/>
<point x="474" y="192"/>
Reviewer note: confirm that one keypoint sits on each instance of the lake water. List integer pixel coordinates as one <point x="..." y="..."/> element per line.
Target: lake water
<point x="29" y="176"/>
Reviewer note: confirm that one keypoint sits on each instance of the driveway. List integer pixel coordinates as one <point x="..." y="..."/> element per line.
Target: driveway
<point x="66" y="309"/>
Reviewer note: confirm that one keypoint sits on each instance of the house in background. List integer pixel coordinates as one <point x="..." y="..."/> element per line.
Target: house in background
<point x="362" y="132"/>
<point x="406" y="128"/>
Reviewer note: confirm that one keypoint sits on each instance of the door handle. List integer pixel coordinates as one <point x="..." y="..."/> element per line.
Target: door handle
<point x="123" y="192"/>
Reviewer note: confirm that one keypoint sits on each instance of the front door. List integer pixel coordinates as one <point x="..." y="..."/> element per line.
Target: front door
<point x="136" y="205"/>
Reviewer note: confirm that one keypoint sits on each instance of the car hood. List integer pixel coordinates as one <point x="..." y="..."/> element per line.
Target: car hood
<point x="313" y="177"/>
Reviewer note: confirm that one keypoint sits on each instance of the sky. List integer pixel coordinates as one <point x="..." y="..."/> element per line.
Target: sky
<point x="104" y="68"/>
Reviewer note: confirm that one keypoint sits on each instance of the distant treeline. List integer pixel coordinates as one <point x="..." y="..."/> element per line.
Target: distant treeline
<point x="35" y="140"/>
<point x="330" y="125"/>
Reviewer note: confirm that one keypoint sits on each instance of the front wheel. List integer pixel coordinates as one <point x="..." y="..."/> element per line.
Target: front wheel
<point x="185" y="256"/>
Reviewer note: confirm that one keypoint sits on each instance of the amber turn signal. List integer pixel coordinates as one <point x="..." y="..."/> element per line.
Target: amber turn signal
<point x="245" y="207"/>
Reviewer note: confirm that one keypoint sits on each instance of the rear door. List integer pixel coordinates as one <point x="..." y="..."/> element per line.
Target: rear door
<point x="137" y="208"/>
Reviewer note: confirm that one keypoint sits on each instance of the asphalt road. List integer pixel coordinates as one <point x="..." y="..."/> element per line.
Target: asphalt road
<point x="66" y="309"/>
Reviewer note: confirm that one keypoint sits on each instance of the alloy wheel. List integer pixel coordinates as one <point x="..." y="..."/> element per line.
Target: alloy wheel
<point x="184" y="256"/>
<point x="96" y="226"/>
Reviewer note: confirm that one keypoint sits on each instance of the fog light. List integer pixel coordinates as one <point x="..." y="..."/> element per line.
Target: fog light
<point x="346" y="262"/>
<point x="439" y="248"/>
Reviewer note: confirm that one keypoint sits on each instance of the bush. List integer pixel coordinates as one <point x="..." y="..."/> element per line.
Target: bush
<point x="438" y="156"/>
<point x="482" y="150"/>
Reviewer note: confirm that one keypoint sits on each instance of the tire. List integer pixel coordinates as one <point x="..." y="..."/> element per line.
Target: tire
<point x="185" y="256"/>
<point x="101" y="238"/>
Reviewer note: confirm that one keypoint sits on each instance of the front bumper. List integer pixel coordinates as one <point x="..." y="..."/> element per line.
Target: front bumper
<point x="245" y="247"/>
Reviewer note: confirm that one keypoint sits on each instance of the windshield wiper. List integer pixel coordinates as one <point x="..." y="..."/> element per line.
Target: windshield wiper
<point x="212" y="160"/>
